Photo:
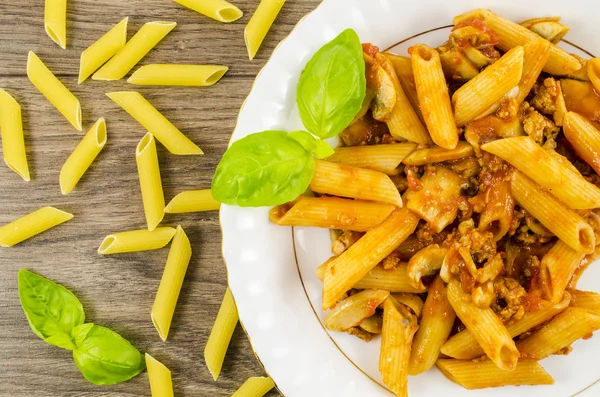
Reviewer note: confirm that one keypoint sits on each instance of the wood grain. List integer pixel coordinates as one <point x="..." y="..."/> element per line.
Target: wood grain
<point x="118" y="291"/>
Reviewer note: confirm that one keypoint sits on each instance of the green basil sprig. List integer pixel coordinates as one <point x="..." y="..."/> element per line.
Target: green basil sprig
<point x="57" y="316"/>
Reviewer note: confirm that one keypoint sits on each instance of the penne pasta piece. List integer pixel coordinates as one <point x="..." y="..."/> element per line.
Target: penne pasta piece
<point x="134" y="50"/>
<point x="572" y="324"/>
<point x="13" y="141"/>
<point x="557" y="268"/>
<point x="331" y="213"/>
<point x="192" y="201"/>
<point x="32" y="224"/>
<point x="255" y="387"/>
<point x="535" y="56"/>
<point x="171" y="282"/>
<point x="353" y="182"/>
<point x="582" y="98"/>
<point x="150" y="182"/>
<point x="55" y="91"/>
<point x="351" y="311"/>
<point x="382" y="158"/>
<point x="482" y="374"/>
<point x="565" y="223"/>
<point x="584" y="137"/>
<point x="55" y="21"/>
<point x="438" y="154"/>
<point x="498" y="213"/>
<point x="464" y="345"/>
<point x="399" y="327"/>
<point x="102" y="50"/>
<point x="406" y="77"/>
<point x="485" y="326"/>
<point x="346" y="270"/>
<point x="488" y="87"/>
<point x="586" y="300"/>
<point x="593" y="72"/>
<point x="136" y="240"/>
<point x="512" y="35"/>
<point x="161" y="384"/>
<point x="178" y="75"/>
<point x="218" y="10"/>
<point x="83" y="156"/>
<point x="547" y="168"/>
<point x="260" y="23"/>
<point x="151" y="119"/>
<point x="434" y="99"/>
<point x="220" y="336"/>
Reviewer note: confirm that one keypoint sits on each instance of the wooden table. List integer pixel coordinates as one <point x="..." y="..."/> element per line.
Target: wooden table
<point x="118" y="291"/>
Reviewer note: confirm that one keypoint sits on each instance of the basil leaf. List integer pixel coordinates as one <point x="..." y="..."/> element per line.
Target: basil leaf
<point x="263" y="169"/>
<point x="105" y="357"/>
<point x="317" y="147"/>
<point x="333" y="86"/>
<point x="51" y="309"/>
<point x="80" y="332"/>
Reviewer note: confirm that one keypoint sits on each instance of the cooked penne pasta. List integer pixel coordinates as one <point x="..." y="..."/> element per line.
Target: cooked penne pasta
<point x="406" y="77"/>
<point x="13" y="141"/>
<point x="255" y="387"/>
<point x="55" y="91"/>
<point x="83" y="156"/>
<point x="351" y="311"/>
<point x="593" y="72"/>
<point x="192" y="201"/>
<point x="171" y="282"/>
<point x="512" y="35"/>
<point x="150" y="182"/>
<point x="353" y="182"/>
<point x="535" y="56"/>
<point x="350" y="267"/>
<point x="55" y="21"/>
<point x="557" y="268"/>
<point x="102" y="50"/>
<point x="434" y="99"/>
<point x="260" y="23"/>
<point x="498" y="213"/>
<point x="332" y="213"/>
<point x="572" y="324"/>
<point x="151" y="119"/>
<point x="584" y="137"/>
<point x="32" y="224"/>
<point x="220" y="336"/>
<point x="482" y="374"/>
<point x="485" y="326"/>
<point x="488" y="87"/>
<point x="218" y="10"/>
<point x="464" y="345"/>
<point x="548" y="169"/>
<point x="399" y="327"/>
<point x="178" y="75"/>
<point x="586" y="300"/>
<point x="382" y="158"/>
<point x="438" y="154"/>
<point x="161" y="384"/>
<point x="565" y="223"/>
<point x="136" y="240"/>
<point x="134" y="50"/>
<point x="424" y="263"/>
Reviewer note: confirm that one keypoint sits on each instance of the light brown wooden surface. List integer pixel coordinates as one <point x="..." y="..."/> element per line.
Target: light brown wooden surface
<point x="118" y="291"/>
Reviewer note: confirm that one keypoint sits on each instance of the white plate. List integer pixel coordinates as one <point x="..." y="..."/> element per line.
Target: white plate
<point x="271" y="268"/>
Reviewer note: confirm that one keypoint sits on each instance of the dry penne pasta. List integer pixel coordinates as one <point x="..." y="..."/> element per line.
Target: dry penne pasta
<point x="150" y="118"/>
<point x="218" y="10"/>
<point x="136" y="240"/>
<point x="584" y="137"/>
<point x="102" y="50"/>
<point x="557" y="268"/>
<point x="178" y="75"/>
<point x="260" y="23"/>
<point x="406" y="77"/>
<point x="393" y="280"/>
<point x="332" y="213"/>
<point x="161" y="384"/>
<point x="354" y="182"/>
<point x="434" y="99"/>
<point x="55" y="21"/>
<point x="255" y="387"/>
<point x="150" y="182"/>
<point x="192" y="201"/>
<point x="55" y="91"/>
<point x="482" y="374"/>
<point x="83" y="156"/>
<point x="382" y="158"/>
<point x="565" y="223"/>
<point x="220" y="336"/>
<point x="438" y="154"/>
<point x="353" y="310"/>
<point x="134" y="50"/>
<point x="171" y="282"/>
<point x="535" y="55"/>
<point x="13" y="142"/>
<point x="593" y="72"/>
<point x="586" y="300"/>
<point x="32" y="224"/>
